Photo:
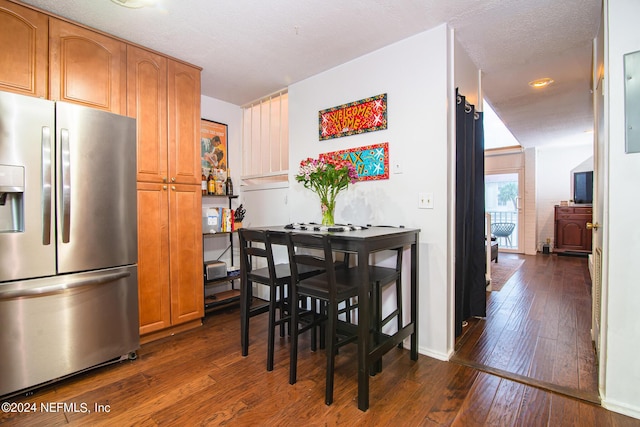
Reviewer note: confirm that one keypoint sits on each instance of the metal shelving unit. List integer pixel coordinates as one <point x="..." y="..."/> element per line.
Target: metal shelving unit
<point x="222" y="299"/>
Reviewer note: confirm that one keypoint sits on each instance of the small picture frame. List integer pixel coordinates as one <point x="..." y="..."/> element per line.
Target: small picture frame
<point x="213" y="145"/>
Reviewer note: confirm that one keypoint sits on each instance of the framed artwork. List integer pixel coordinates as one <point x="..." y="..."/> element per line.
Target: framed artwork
<point x="213" y="145"/>
<point x="365" y="115"/>
<point x="371" y="161"/>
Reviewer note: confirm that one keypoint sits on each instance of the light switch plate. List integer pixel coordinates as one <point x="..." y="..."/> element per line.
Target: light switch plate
<point x="425" y="200"/>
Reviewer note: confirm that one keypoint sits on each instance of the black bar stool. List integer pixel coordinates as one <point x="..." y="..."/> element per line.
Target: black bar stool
<point x="333" y="287"/>
<point x="255" y="245"/>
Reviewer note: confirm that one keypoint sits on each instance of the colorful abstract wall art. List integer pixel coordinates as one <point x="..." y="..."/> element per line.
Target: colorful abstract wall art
<point x="366" y="115"/>
<point x="371" y="161"/>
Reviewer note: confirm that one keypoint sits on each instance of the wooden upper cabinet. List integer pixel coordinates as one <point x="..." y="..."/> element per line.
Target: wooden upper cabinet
<point x="184" y="123"/>
<point x="147" y="103"/>
<point x="86" y="67"/>
<point x="24" y="50"/>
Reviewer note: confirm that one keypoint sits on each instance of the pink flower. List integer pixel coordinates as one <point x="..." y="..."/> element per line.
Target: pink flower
<point x="327" y="176"/>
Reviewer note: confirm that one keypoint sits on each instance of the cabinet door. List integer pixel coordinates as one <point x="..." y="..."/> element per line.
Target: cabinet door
<point x="147" y="102"/>
<point x="573" y="234"/>
<point x="153" y="257"/>
<point x="23" y="43"/>
<point x="86" y="67"/>
<point x="584" y="215"/>
<point x="184" y="123"/>
<point x="185" y="246"/>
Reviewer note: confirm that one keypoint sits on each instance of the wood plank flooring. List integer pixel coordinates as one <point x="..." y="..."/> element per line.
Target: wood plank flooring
<point x="200" y="378"/>
<point x="537" y="328"/>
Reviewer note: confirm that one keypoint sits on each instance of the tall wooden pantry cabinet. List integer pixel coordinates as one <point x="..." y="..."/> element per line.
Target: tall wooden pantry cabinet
<point x="163" y="92"/>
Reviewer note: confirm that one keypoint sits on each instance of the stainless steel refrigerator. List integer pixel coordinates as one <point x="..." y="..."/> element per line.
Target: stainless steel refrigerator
<point x="68" y="240"/>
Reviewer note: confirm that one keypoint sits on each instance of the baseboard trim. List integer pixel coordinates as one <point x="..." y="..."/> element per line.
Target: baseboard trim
<point x="153" y="336"/>
<point x="621" y="408"/>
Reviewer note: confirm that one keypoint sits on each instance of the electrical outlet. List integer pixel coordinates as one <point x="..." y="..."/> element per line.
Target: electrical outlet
<point x="397" y="168"/>
<point x="425" y="200"/>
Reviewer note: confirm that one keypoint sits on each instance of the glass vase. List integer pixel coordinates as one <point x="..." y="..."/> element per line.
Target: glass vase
<point x="328" y="208"/>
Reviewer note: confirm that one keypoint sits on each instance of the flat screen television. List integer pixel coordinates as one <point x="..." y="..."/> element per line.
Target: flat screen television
<point x="583" y="188"/>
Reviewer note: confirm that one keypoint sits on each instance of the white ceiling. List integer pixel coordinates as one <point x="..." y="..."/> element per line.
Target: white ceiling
<point x="251" y="48"/>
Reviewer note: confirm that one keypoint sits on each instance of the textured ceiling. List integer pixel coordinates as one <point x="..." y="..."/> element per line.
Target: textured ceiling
<point x="250" y="48"/>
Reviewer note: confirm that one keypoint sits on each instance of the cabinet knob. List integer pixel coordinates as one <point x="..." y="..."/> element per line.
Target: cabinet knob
<point x="173" y="179"/>
<point x="593" y="226"/>
<point x="173" y="187"/>
<point x="164" y="179"/>
<point x="164" y="187"/>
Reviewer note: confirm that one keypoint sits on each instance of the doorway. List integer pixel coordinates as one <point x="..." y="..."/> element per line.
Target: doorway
<point x="503" y="196"/>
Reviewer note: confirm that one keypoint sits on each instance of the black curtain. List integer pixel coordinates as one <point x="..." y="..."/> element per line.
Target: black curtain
<point x="470" y="279"/>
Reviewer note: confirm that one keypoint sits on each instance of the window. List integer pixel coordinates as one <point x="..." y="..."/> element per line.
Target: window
<point x="265" y="141"/>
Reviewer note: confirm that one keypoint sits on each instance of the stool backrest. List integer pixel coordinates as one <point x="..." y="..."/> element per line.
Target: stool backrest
<point x="256" y="243"/>
<point x="299" y="244"/>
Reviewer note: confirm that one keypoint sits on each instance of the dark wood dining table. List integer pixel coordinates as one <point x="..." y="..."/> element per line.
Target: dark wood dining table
<point x="364" y="242"/>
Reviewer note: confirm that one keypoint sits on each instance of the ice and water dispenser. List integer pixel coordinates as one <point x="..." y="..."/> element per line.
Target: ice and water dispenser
<point x="11" y="199"/>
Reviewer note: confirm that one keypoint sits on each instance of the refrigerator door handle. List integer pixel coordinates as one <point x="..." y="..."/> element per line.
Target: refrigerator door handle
<point x="65" y="184"/>
<point x="60" y="287"/>
<point x="46" y="185"/>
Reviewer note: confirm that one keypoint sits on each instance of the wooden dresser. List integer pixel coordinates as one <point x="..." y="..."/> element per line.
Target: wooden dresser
<point x="571" y="232"/>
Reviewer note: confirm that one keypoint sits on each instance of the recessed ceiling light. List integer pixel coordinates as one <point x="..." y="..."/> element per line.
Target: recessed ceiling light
<point x="134" y="4"/>
<point x="541" y="82"/>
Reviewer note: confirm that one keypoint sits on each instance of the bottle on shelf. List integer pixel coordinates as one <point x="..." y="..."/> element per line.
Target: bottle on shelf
<point x="211" y="183"/>
<point x="229" y="183"/>
<point x="205" y="188"/>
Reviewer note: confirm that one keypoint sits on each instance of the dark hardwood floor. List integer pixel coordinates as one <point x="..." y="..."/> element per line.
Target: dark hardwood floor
<point x="200" y="378"/>
<point x="537" y="328"/>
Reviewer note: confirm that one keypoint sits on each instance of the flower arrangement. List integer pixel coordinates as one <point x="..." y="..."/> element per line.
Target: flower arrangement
<point x="327" y="176"/>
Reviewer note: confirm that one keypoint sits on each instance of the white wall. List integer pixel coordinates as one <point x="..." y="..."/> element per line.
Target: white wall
<point x="414" y="74"/>
<point x="553" y="181"/>
<point x="466" y="75"/>
<point x="621" y="232"/>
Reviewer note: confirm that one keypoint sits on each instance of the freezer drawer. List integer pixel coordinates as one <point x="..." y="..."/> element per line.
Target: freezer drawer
<point x="57" y="326"/>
